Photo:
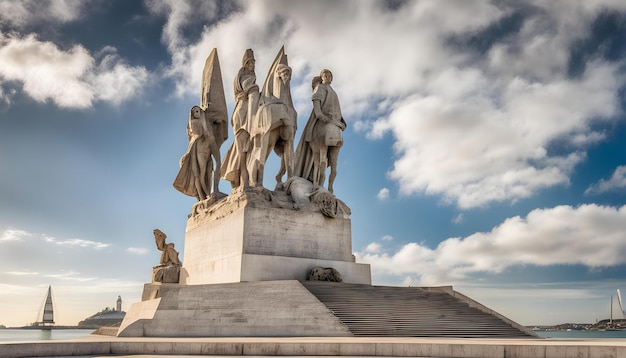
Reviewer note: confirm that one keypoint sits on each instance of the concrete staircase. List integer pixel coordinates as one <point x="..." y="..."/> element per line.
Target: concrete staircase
<point x="412" y="312"/>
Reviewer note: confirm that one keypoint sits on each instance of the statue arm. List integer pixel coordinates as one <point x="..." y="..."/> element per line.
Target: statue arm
<point x="317" y="109"/>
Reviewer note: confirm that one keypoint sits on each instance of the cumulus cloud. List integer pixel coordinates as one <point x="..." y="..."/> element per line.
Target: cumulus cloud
<point x="473" y="122"/>
<point x="387" y="238"/>
<point x="373" y="248"/>
<point x="617" y="181"/>
<point x="19" y="14"/>
<point x="69" y="78"/>
<point x="458" y="219"/>
<point x="383" y="194"/>
<point x="589" y="235"/>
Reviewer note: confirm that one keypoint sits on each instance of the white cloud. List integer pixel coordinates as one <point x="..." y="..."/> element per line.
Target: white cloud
<point x="22" y="273"/>
<point x="387" y="238"/>
<point x="24" y="12"/>
<point x="373" y="248"/>
<point x="70" y="276"/>
<point x="617" y="181"/>
<point x="14" y="235"/>
<point x="77" y="242"/>
<point x="458" y="219"/>
<point x="472" y="128"/>
<point x="69" y="78"/>
<point x="138" y="250"/>
<point x="477" y="151"/>
<point x="589" y="235"/>
<point x="383" y="194"/>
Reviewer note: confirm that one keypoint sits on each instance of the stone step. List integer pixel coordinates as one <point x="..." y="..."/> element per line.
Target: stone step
<point x="408" y="311"/>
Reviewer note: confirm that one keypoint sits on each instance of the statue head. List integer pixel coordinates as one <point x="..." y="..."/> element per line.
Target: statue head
<point x="248" y="60"/>
<point x="327" y="76"/>
<point x="158" y="233"/>
<point x="315" y="82"/>
<point x="195" y="112"/>
<point x="284" y="73"/>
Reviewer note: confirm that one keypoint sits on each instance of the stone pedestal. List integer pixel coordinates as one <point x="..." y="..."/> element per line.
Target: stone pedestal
<point x="250" y="239"/>
<point x="248" y="309"/>
<point x="166" y="274"/>
<point x="244" y="256"/>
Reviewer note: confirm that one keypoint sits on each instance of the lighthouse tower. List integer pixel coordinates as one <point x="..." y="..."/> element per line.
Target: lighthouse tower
<point x="119" y="304"/>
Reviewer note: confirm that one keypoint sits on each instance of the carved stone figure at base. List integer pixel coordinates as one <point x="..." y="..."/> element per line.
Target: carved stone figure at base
<point x="168" y="269"/>
<point x="301" y="191"/>
<point x="324" y="274"/>
<point x="169" y="255"/>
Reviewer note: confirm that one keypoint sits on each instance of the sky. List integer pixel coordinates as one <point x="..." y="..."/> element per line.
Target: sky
<point x="484" y="147"/>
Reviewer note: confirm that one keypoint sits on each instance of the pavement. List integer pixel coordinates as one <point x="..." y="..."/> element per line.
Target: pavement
<point x="107" y="346"/>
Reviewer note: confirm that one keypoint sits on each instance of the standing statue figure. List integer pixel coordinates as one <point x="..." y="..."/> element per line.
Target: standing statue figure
<point x="274" y="126"/>
<point x="322" y="138"/>
<point x="207" y="131"/>
<point x="234" y="168"/>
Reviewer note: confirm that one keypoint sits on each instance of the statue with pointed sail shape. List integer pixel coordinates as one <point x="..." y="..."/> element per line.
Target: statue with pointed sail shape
<point x="234" y="168"/>
<point x="207" y="130"/>
<point x="274" y="125"/>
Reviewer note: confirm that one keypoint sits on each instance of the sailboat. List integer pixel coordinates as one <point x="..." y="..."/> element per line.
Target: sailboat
<point x="47" y="318"/>
<point x="615" y="326"/>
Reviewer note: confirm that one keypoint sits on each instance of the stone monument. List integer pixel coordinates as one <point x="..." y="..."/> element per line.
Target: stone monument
<point x="255" y="243"/>
<point x="259" y="262"/>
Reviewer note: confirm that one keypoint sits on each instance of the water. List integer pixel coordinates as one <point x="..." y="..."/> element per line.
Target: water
<point x="16" y="335"/>
<point x="581" y="334"/>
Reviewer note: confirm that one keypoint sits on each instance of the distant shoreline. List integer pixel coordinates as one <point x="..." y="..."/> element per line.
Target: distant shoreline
<point x="44" y="328"/>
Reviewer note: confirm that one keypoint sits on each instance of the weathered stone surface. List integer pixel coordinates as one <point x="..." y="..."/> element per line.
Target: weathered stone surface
<point x="262" y="309"/>
<point x="166" y="274"/>
<point x="245" y="238"/>
<point x="324" y="274"/>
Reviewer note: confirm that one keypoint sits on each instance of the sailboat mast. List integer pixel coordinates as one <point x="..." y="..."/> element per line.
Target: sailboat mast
<point x="611" y="319"/>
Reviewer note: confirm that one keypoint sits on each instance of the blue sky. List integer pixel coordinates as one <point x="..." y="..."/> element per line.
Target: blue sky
<point x="484" y="147"/>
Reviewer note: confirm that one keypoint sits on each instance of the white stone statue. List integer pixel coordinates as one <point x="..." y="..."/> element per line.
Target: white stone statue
<point x="207" y="131"/>
<point x="274" y="125"/>
<point x="234" y="167"/>
<point x="169" y="255"/>
<point x="322" y="138"/>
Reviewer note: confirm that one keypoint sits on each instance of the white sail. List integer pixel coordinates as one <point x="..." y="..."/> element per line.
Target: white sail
<point x="619" y="300"/>
<point x="48" y="310"/>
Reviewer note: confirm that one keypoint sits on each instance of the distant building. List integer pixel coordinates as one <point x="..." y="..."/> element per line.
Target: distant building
<point x="106" y="317"/>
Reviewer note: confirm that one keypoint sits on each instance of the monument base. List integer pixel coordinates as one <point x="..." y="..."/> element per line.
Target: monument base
<point x="258" y="235"/>
<point x="249" y="309"/>
<point x="166" y="274"/>
<point x="311" y="309"/>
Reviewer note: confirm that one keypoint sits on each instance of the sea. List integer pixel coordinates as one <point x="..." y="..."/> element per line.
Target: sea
<point x="17" y="335"/>
<point x="581" y="334"/>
